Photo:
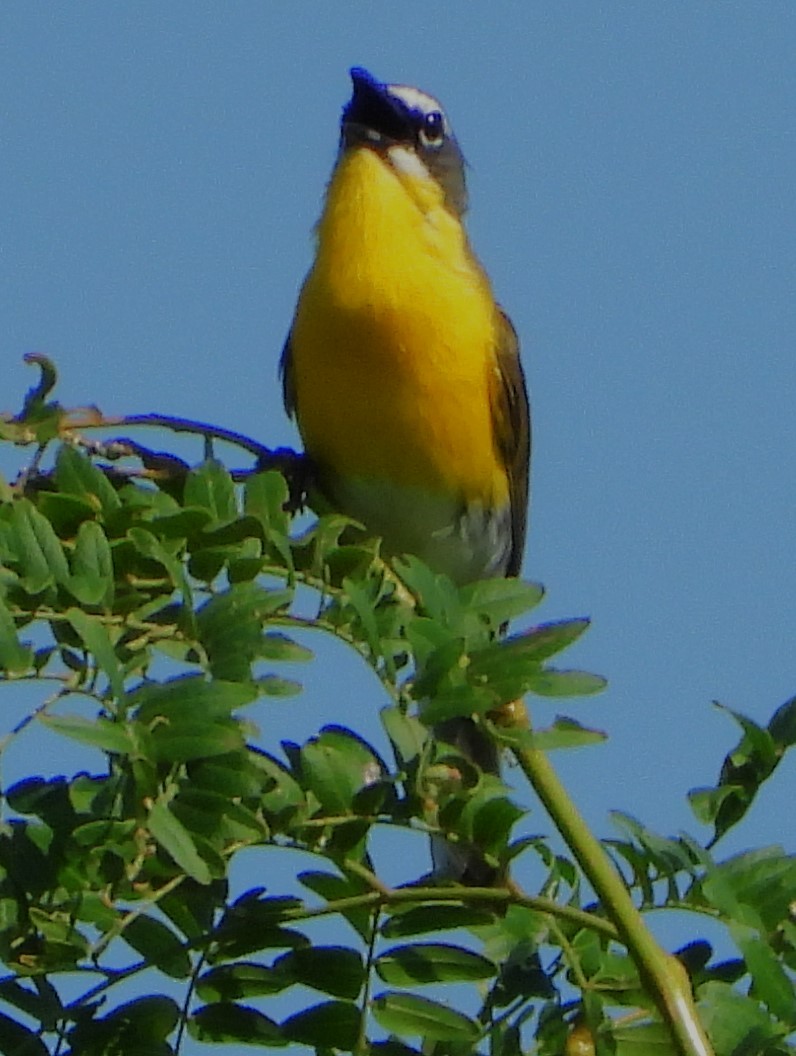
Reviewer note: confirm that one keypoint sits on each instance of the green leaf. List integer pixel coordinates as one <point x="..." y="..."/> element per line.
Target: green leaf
<point x="274" y="686"/>
<point x="323" y="539"/>
<point x="486" y="818"/>
<point x="643" y="1039"/>
<point x="275" y="645"/>
<point x="158" y="945"/>
<point x="94" y="909"/>
<point x="500" y="600"/>
<point x="331" y="1025"/>
<point x="544" y="641"/>
<point x="187" y="521"/>
<point x="335" y="970"/>
<point x="92" y="567"/>
<point x="42" y="1004"/>
<point x="148" y="1019"/>
<point x="100" y="733"/>
<point x="192" y="907"/>
<point x="668" y="856"/>
<point x="436" y="593"/>
<point x="564" y="733"/>
<point x="772" y="984"/>
<point x="37" y="547"/>
<point x="48" y="799"/>
<point x="407" y="734"/>
<point x="233" y="776"/>
<point x="734" y="1021"/>
<point x="461" y="700"/>
<point x="360" y="598"/>
<point x="521" y="971"/>
<point x="210" y="487"/>
<point x="413" y="1016"/>
<point x="75" y="474"/>
<point x="285" y="797"/>
<point x="333" y="888"/>
<point x="757" y="745"/>
<point x="552" y="683"/>
<point x="618" y="980"/>
<point x="15" y="658"/>
<point x="426" y="638"/>
<point x="64" y="945"/>
<point x="149" y="546"/>
<point x="265" y="497"/>
<point x="708" y="803"/>
<point x="10" y="912"/>
<point x="431" y="962"/>
<point x="175" y="839"/>
<point x="393" y="1047"/>
<point x="94" y="635"/>
<point x="754" y="888"/>
<point x="230" y="628"/>
<point x="743" y="771"/>
<point x="236" y="939"/>
<point x="17" y="1040"/>
<point x="782" y="726"/>
<point x="65" y="512"/>
<point x="499" y="672"/>
<point x="337" y="765"/>
<point x="185" y="698"/>
<point x="231" y="1022"/>
<point x="229" y="982"/>
<point x="252" y="923"/>
<point x="103" y="832"/>
<point x="242" y="569"/>
<point x="184" y="742"/>
<point x="440" y="917"/>
<point x="213" y="815"/>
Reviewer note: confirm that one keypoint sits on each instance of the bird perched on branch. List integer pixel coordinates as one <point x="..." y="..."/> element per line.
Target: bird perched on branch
<point x="403" y="371"/>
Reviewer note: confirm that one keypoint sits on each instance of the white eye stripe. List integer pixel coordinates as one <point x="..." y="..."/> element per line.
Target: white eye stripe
<point x="423" y="103"/>
<point x="414" y="98"/>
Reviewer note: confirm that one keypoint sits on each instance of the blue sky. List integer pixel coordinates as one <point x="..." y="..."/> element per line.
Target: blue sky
<point x="632" y="198"/>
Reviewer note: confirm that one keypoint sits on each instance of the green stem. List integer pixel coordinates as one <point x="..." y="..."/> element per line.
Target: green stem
<point x="186" y="1005"/>
<point x="663" y="974"/>
<point x="468" y="895"/>
<point x="124" y="921"/>
<point x="362" y="1045"/>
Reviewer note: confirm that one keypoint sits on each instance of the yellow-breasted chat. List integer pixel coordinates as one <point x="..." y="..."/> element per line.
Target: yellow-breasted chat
<point x="402" y="370"/>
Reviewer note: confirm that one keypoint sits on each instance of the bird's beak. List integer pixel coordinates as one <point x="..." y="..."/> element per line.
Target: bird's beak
<point x="373" y="117"/>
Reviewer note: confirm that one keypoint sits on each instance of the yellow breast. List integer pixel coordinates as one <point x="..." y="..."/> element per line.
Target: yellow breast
<point x="393" y="340"/>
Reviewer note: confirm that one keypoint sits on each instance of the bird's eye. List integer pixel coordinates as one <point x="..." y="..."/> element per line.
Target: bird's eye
<point x="432" y="131"/>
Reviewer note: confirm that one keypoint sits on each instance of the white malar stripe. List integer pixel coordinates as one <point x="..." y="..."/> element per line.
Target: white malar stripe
<point x="408" y="162"/>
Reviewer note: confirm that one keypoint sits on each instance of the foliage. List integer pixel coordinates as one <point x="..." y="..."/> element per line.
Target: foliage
<point x="152" y="610"/>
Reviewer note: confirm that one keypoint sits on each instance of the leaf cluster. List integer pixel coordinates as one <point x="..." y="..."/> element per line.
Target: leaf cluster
<point x="154" y="615"/>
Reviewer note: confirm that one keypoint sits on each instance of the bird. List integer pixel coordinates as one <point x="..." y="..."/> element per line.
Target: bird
<point x="403" y="372"/>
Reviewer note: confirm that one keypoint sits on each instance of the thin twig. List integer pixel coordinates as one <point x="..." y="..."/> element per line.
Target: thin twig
<point x="175" y="424"/>
<point x="398" y="896"/>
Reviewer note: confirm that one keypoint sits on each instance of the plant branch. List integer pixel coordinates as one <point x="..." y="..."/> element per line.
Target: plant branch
<point x="468" y="895"/>
<point x="666" y="978"/>
<point x="176" y="424"/>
